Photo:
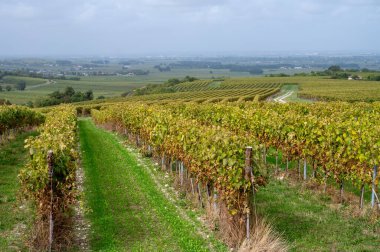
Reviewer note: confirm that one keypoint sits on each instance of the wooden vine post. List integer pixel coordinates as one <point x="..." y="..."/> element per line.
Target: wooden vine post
<point x="276" y="160"/>
<point x="51" y="224"/>
<point x="248" y="177"/>
<point x="287" y="164"/>
<point x="299" y="169"/>
<point x="361" y="203"/>
<point x="304" y="169"/>
<point x="373" y="186"/>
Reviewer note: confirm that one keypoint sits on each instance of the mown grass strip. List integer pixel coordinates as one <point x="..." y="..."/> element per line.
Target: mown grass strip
<point x="308" y="223"/>
<point x="128" y="212"/>
<point x="13" y="218"/>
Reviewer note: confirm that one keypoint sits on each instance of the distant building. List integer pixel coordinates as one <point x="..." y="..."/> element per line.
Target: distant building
<point x="354" y="77"/>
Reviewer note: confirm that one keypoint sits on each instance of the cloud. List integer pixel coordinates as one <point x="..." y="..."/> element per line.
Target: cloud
<point x="87" y="12"/>
<point x="94" y="26"/>
<point x="17" y="10"/>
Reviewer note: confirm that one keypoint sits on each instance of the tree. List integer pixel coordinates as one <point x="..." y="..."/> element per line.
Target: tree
<point x="366" y="70"/>
<point x="77" y="97"/>
<point x="21" y="85"/>
<point x="1" y="88"/>
<point x="8" y="88"/>
<point x="69" y="91"/>
<point x="174" y="81"/>
<point x="89" y="95"/>
<point x="334" y="68"/>
<point x="373" y="77"/>
<point x="189" y="79"/>
<point x="56" y="95"/>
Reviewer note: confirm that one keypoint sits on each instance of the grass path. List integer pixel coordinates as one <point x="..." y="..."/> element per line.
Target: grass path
<point x="292" y="89"/>
<point x="13" y="219"/>
<point x="128" y="211"/>
<point x="309" y="223"/>
<point x="47" y="83"/>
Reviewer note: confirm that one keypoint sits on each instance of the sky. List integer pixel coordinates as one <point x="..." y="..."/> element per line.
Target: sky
<point x="186" y="27"/>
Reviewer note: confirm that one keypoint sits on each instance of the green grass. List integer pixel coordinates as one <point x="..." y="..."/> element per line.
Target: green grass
<point x="307" y="222"/>
<point x="12" y="80"/>
<point x="128" y="212"/>
<point x="101" y="86"/>
<point x="12" y="158"/>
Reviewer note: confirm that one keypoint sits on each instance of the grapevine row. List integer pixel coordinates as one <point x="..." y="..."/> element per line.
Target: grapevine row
<point x="243" y="94"/>
<point x="52" y="193"/>
<point x="16" y="117"/>
<point x="213" y="155"/>
<point x="339" y="140"/>
<point x="342" y="140"/>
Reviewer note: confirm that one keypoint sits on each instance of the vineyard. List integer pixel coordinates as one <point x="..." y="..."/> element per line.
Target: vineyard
<point x="222" y="155"/>
<point x="209" y="91"/>
<point x="189" y="126"/>
<point x="341" y="90"/>
<point x="203" y="85"/>
<point x="255" y="89"/>
<point x="206" y="145"/>
<point x="327" y="89"/>
<point x="333" y="138"/>
<point x="209" y="96"/>
<point x="310" y="87"/>
<point x="18" y="117"/>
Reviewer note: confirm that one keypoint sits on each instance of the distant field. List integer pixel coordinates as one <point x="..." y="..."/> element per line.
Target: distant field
<point x="106" y="86"/>
<point x="345" y="90"/>
<point x="200" y="91"/>
<point x="314" y="88"/>
<point x="210" y="95"/>
<point x="12" y="80"/>
<point x="308" y="87"/>
<point x="326" y="89"/>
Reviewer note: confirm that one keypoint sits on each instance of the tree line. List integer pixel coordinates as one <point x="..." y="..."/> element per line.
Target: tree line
<point x="69" y="95"/>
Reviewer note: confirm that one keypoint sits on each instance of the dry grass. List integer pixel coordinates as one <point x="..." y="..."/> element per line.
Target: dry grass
<point x="263" y="238"/>
<point x="232" y="229"/>
<point x="62" y="239"/>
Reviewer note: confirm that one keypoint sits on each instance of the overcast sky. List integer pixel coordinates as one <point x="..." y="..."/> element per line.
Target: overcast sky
<point x="168" y="27"/>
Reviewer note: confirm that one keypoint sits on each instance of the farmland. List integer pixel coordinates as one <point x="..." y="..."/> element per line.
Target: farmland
<point x="216" y="160"/>
<point x="309" y="88"/>
<point x="111" y="78"/>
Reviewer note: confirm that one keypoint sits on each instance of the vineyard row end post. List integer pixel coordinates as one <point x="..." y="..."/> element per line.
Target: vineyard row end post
<point x="373" y="185"/>
<point x="247" y="176"/>
<point x="50" y="161"/>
